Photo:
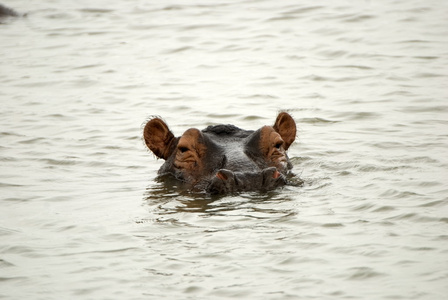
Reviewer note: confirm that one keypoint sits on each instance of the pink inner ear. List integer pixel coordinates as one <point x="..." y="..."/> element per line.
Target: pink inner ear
<point x="276" y="174"/>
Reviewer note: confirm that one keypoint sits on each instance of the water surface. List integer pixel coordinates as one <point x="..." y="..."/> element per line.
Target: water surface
<point x="83" y="216"/>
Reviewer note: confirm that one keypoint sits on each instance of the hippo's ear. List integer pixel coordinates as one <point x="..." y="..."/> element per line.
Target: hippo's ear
<point x="159" y="138"/>
<point x="286" y="127"/>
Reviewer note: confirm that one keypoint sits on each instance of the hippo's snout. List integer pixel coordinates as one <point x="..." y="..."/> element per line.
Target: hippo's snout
<point x="227" y="181"/>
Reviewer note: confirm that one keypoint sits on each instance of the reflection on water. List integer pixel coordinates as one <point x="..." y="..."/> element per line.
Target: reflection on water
<point x="169" y="196"/>
<point x="84" y="216"/>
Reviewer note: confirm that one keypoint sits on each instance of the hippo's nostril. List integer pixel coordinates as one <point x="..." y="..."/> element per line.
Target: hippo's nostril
<point x="276" y="174"/>
<point x="221" y="176"/>
<point x="226" y="175"/>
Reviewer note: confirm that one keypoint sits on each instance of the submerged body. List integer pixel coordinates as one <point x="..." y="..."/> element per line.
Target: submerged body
<point x="224" y="158"/>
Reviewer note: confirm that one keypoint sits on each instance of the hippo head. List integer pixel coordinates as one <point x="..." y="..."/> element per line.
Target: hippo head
<point x="224" y="158"/>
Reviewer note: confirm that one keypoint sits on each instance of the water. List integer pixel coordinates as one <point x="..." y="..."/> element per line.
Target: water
<point x="83" y="216"/>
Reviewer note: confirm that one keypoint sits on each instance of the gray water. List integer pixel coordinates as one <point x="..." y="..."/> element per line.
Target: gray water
<point x="83" y="216"/>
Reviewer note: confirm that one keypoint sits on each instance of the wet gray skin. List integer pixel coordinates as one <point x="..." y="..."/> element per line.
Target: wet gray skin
<point x="224" y="159"/>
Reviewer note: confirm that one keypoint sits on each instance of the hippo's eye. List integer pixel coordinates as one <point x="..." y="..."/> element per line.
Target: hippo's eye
<point x="278" y="145"/>
<point x="183" y="149"/>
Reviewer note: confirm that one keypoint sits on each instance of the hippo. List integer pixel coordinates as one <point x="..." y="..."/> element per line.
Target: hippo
<point x="223" y="159"/>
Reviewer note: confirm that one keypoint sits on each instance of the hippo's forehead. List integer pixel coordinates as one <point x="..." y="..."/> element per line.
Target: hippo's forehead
<point x="230" y="139"/>
<point x="234" y="145"/>
<point x="225" y="132"/>
<point x="234" y="149"/>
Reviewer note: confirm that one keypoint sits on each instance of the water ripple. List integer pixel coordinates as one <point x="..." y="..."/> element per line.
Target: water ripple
<point x="84" y="215"/>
